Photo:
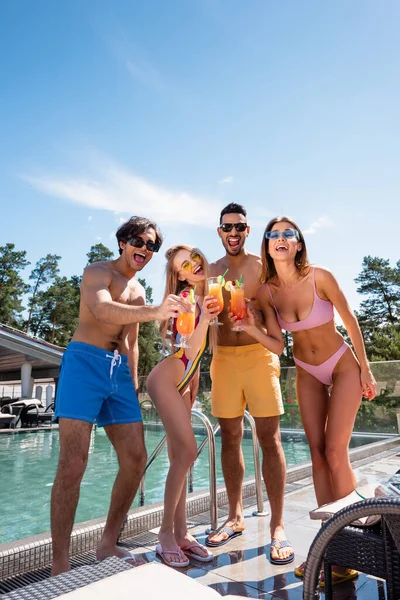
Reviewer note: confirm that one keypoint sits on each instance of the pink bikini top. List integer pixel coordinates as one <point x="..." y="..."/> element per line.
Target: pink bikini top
<point x="321" y="313"/>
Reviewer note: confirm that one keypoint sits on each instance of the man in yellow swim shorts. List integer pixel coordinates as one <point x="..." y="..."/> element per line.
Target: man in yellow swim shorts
<point x="244" y="373"/>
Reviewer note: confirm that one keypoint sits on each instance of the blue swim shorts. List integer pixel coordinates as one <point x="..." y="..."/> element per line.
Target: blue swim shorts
<point x="96" y="385"/>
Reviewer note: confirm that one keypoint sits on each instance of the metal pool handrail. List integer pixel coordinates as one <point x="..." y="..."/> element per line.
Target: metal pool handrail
<point x="212" y="469"/>
<point x="260" y="512"/>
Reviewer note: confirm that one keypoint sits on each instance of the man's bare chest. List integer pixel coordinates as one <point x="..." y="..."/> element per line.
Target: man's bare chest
<point x="125" y="292"/>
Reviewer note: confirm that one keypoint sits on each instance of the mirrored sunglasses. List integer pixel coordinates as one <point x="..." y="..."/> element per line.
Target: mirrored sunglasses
<point x="288" y="234"/>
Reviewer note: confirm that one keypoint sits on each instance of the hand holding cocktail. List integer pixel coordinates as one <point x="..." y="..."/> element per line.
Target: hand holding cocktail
<point x="209" y="309"/>
<point x="238" y="308"/>
<point x="185" y="322"/>
<point x="215" y="285"/>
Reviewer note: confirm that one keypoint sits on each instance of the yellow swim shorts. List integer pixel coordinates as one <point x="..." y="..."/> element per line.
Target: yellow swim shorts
<point x="245" y="375"/>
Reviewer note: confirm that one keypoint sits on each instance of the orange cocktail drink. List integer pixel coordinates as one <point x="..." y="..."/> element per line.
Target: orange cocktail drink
<point x="238" y="306"/>
<point x="215" y="289"/>
<point x="238" y="303"/>
<point x="186" y="322"/>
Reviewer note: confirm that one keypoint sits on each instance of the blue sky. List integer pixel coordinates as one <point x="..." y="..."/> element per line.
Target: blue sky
<point x="171" y="109"/>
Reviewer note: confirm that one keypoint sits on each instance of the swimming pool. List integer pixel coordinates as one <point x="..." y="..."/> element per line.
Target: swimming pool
<point x="28" y="463"/>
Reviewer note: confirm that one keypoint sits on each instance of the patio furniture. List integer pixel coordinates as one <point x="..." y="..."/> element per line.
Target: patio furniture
<point x="5" y="400"/>
<point x="114" y="578"/>
<point x="24" y="406"/>
<point x="32" y="416"/>
<point x="17" y="412"/>
<point x="10" y="417"/>
<point x="373" y="551"/>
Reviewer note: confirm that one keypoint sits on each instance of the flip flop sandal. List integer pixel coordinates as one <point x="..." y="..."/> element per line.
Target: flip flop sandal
<point x="134" y="557"/>
<point x="336" y="577"/>
<point x="278" y="544"/>
<point x="131" y="556"/>
<point x="187" y="550"/>
<point x="160" y="551"/>
<point x="298" y="571"/>
<point x="231" y="534"/>
<point x="341" y="577"/>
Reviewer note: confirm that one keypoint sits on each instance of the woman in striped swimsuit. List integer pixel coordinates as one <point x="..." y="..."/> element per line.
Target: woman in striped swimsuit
<point x="169" y="386"/>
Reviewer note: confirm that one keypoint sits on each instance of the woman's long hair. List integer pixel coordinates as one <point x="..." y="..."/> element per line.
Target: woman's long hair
<point x="268" y="265"/>
<point x="173" y="285"/>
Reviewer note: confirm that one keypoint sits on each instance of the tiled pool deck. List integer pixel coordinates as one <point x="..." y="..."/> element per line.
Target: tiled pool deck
<point x="242" y="566"/>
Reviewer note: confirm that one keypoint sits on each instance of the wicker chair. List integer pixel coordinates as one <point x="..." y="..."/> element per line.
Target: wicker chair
<point x="374" y="551"/>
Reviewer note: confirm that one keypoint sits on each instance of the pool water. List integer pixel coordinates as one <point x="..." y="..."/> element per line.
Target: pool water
<point x="28" y="463"/>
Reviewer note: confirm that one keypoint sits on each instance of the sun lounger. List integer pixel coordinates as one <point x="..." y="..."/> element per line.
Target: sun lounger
<point x="10" y="417"/>
<point x="33" y="416"/>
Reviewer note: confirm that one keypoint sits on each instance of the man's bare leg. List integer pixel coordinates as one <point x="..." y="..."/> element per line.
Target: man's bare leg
<point x="274" y="475"/>
<point x="74" y="448"/>
<point x="233" y="470"/>
<point x="128" y="442"/>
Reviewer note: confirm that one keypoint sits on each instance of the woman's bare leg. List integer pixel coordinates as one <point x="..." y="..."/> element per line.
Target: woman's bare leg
<point x="161" y="385"/>
<point x="182" y="536"/>
<point x="313" y="400"/>
<point x="344" y="403"/>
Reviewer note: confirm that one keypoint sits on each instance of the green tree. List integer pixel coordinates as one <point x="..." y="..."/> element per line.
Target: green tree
<point x="56" y="312"/>
<point x="45" y="271"/>
<point x="385" y="343"/>
<point x="379" y="314"/>
<point x="381" y="284"/>
<point x="12" y="286"/>
<point x="98" y="253"/>
<point x="150" y="342"/>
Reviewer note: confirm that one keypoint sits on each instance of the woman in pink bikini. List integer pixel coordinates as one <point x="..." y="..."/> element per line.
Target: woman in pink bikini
<point x="331" y="379"/>
<point x="168" y="385"/>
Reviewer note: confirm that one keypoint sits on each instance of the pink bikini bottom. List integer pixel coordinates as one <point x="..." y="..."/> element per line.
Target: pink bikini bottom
<point x="324" y="371"/>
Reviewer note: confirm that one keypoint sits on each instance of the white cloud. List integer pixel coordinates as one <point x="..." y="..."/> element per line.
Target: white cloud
<point x="115" y="189"/>
<point x="228" y="179"/>
<point x="318" y="224"/>
<point x="90" y="218"/>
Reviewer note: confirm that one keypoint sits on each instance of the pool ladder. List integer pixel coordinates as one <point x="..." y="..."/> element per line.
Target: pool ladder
<point x="210" y="440"/>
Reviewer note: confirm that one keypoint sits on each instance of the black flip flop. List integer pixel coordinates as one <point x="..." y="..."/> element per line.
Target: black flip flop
<point x="280" y="544"/>
<point x="231" y="534"/>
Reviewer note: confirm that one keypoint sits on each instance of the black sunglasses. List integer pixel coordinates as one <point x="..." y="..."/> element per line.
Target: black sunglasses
<point x="137" y="242"/>
<point x="227" y="227"/>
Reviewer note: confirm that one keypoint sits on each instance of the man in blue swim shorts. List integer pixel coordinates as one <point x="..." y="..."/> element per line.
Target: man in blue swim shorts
<point x="98" y="382"/>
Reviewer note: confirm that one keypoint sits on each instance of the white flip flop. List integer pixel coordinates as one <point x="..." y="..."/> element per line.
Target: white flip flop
<point x="160" y="551"/>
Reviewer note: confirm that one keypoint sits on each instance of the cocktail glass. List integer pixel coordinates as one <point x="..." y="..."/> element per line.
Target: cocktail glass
<point x="215" y="289"/>
<point x="185" y="322"/>
<point x="238" y="306"/>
